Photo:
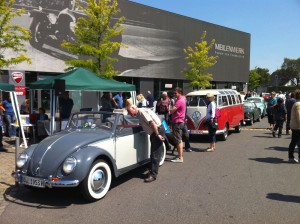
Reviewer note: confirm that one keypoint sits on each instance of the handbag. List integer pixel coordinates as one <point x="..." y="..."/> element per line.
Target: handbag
<point x="214" y="125"/>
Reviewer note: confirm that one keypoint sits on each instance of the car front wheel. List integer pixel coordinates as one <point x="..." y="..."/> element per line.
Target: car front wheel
<point x="97" y="182"/>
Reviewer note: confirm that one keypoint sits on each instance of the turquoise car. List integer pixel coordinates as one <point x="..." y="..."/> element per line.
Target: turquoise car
<point x="260" y="103"/>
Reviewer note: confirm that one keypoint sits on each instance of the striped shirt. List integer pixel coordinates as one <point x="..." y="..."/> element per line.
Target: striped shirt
<point x="145" y="116"/>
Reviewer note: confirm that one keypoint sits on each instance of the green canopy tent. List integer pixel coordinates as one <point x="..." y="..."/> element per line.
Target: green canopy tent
<point x="82" y="79"/>
<point x="79" y="79"/>
<point x="11" y="89"/>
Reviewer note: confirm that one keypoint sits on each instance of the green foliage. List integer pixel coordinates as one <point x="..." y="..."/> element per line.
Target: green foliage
<point x="199" y="62"/>
<point x="254" y="79"/>
<point x="264" y="75"/>
<point x="290" y="69"/>
<point x="12" y="37"/>
<point x="95" y="33"/>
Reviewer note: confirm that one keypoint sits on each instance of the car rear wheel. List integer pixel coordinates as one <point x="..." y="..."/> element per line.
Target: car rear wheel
<point x="97" y="182"/>
<point x="238" y="128"/>
<point x="163" y="155"/>
<point x="258" y="119"/>
<point x="251" y="121"/>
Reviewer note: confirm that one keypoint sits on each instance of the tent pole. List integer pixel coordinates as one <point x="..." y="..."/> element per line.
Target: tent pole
<point x="15" y="105"/>
<point x="52" y="110"/>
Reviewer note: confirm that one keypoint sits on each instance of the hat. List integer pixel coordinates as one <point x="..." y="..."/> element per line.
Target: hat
<point x="149" y="92"/>
<point x="1" y="107"/>
<point x="210" y="95"/>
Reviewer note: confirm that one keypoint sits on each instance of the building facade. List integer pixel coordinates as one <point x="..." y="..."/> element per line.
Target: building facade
<point x="152" y="57"/>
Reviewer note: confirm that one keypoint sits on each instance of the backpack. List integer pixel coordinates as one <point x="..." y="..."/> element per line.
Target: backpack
<point x="217" y="113"/>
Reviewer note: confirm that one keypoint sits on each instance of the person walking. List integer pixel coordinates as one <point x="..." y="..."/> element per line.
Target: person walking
<point x="9" y="116"/>
<point x="210" y="121"/>
<point x="152" y="125"/>
<point x="289" y="102"/>
<point x="150" y="100"/>
<point x="271" y="103"/>
<point x="279" y="113"/>
<point x="178" y="117"/>
<point x="295" y="127"/>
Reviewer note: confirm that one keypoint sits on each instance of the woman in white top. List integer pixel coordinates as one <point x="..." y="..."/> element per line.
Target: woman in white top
<point x="210" y="119"/>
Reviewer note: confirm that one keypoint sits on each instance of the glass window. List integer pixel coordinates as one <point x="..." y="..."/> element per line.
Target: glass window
<point x="233" y="99"/>
<point x="229" y="100"/>
<point x="224" y="101"/>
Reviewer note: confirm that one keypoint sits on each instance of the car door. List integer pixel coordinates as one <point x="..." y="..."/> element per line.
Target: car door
<point x="132" y="145"/>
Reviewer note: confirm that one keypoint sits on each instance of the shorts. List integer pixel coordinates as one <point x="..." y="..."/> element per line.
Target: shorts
<point x="177" y="132"/>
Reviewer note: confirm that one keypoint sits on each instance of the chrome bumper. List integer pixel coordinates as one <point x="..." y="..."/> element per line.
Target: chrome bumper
<point x="48" y="183"/>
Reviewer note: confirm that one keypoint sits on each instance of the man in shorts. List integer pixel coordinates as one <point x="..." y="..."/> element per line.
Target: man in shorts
<point x="178" y="117"/>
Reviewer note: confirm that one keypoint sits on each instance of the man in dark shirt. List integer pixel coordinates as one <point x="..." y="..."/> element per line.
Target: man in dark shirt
<point x="289" y="102"/>
<point x="65" y="106"/>
<point x="150" y="100"/>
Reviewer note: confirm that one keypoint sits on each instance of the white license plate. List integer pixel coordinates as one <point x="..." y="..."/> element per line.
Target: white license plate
<point x="31" y="181"/>
<point x="197" y="132"/>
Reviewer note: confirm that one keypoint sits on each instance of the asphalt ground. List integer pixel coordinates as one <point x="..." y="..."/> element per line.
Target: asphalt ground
<point x="246" y="180"/>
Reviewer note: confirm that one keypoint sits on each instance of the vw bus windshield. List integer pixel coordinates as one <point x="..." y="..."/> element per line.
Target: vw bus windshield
<point x="196" y="101"/>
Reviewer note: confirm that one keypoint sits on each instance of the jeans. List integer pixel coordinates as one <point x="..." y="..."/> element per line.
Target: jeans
<point x="211" y="133"/>
<point x="10" y="130"/>
<point x="295" y="140"/>
<point x="156" y="151"/>
<point x="185" y="133"/>
<point x="279" y="125"/>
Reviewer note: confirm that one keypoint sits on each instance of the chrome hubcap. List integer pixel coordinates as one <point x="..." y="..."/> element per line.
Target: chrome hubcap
<point x="98" y="180"/>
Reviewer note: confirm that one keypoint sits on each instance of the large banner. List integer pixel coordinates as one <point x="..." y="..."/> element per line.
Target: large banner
<point x="154" y="41"/>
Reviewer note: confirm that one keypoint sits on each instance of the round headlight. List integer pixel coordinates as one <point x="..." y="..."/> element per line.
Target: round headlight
<point x="22" y="159"/>
<point x="69" y="165"/>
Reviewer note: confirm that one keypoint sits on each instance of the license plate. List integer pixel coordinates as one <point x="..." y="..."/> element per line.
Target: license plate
<point x="197" y="132"/>
<point x="35" y="182"/>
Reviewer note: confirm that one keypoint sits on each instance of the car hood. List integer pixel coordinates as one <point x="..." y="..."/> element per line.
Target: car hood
<point x="52" y="151"/>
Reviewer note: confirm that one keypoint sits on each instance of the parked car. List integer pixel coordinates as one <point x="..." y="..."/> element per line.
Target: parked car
<point x="251" y="112"/>
<point x="260" y="103"/>
<point x="94" y="147"/>
<point x="266" y="96"/>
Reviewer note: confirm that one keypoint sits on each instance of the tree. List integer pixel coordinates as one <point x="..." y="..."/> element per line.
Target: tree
<point x="254" y="79"/>
<point x="264" y="75"/>
<point x="12" y="37"/>
<point x="290" y="69"/>
<point x="199" y="62"/>
<point x="94" y="35"/>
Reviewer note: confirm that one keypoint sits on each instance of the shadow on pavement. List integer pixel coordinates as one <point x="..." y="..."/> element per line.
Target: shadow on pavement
<point x="278" y="148"/>
<point x="58" y="198"/>
<point x="269" y="160"/>
<point x="282" y="197"/>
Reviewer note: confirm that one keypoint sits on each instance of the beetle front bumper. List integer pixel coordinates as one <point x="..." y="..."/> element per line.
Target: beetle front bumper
<point x="42" y="183"/>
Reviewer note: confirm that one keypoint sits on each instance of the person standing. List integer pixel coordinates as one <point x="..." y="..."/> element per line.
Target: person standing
<point x="119" y="100"/>
<point x="178" y="118"/>
<point x="1" y="123"/>
<point x="163" y="106"/>
<point x="150" y="100"/>
<point x="210" y="120"/>
<point x="65" y="106"/>
<point x="295" y="127"/>
<point x="271" y="103"/>
<point x="152" y="125"/>
<point x="279" y="117"/>
<point x="9" y="116"/>
<point x="289" y="102"/>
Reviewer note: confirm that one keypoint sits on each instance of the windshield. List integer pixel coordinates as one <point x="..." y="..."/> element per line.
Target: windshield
<point x="91" y="121"/>
<point x="195" y="101"/>
<point x="255" y="100"/>
<point x="248" y="105"/>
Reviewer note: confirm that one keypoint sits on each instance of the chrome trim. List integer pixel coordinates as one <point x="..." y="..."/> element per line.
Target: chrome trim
<point x="205" y="132"/>
<point x="50" y="183"/>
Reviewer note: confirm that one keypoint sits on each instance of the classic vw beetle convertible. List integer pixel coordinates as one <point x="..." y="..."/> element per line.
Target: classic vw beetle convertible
<point x="94" y="147"/>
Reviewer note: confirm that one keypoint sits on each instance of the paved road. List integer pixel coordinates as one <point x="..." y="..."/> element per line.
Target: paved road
<point x="246" y="180"/>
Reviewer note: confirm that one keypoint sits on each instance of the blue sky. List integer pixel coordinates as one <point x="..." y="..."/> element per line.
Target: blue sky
<point x="274" y="25"/>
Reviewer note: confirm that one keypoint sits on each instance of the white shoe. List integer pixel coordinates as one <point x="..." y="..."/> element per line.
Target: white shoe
<point x="294" y="160"/>
<point x="177" y="160"/>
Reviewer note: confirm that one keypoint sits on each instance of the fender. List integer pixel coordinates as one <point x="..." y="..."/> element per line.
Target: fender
<point x="85" y="157"/>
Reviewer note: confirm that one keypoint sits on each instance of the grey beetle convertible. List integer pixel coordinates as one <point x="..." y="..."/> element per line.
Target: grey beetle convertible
<point x="94" y="147"/>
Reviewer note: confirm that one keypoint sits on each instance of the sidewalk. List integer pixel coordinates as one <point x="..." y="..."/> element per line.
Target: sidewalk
<point x="7" y="166"/>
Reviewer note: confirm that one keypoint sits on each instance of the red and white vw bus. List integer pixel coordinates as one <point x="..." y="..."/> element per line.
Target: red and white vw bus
<point x="229" y="103"/>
